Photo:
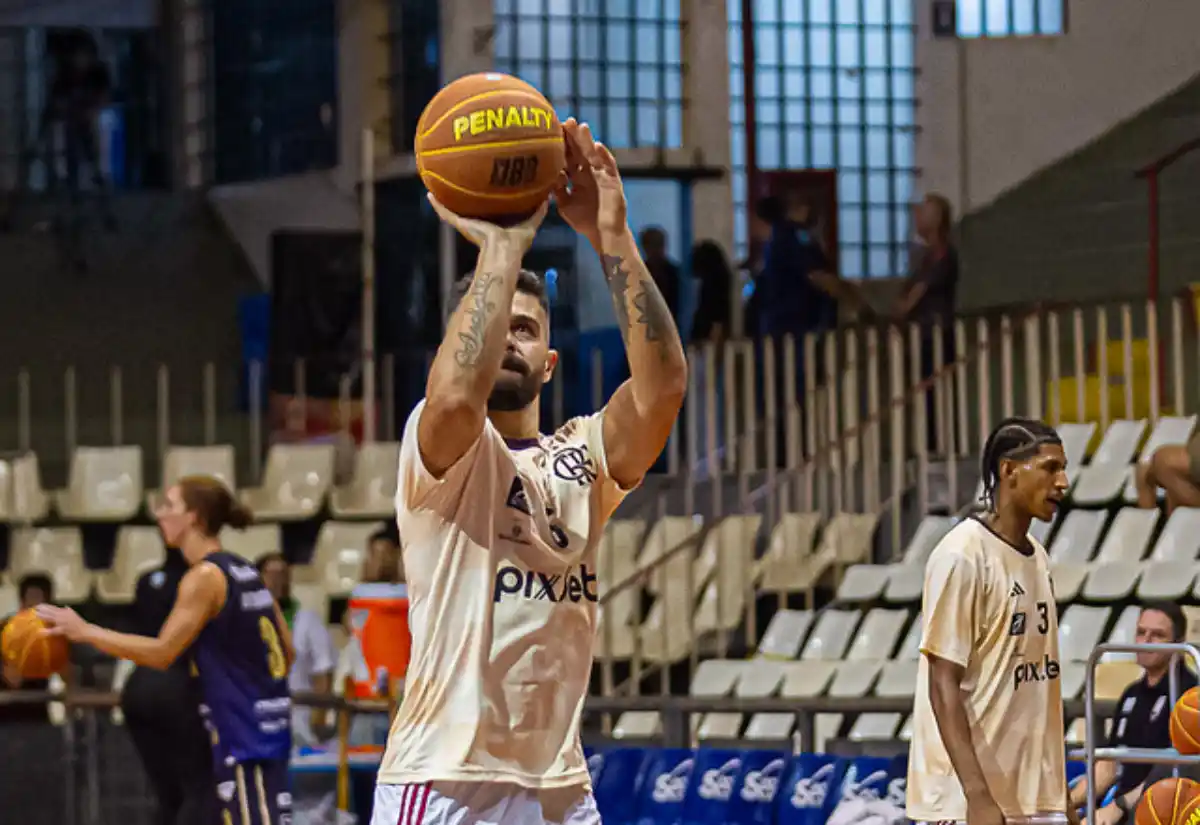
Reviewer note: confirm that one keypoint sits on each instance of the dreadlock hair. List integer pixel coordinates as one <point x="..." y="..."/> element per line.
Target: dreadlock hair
<point x="1014" y="438"/>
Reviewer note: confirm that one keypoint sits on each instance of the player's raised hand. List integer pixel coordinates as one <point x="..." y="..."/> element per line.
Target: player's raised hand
<point x="483" y="233"/>
<point x="62" y="621"/>
<point x="577" y="195"/>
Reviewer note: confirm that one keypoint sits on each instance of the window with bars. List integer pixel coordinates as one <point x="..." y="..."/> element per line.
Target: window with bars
<point x="834" y="87"/>
<point x="1010" y="18"/>
<point x="616" y="64"/>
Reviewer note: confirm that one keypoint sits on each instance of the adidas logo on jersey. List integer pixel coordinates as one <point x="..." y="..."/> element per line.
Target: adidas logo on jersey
<point x="517" y="498"/>
<point x="551" y="587"/>
<point x="1017" y="590"/>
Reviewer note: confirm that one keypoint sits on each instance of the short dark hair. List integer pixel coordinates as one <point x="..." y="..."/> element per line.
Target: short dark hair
<point x="39" y="580"/>
<point x="528" y="282"/>
<point x="1014" y="438"/>
<point x="1173" y="612"/>
<point x="263" y="561"/>
<point x="389" y="533"/>
<point x="770" y="209"/>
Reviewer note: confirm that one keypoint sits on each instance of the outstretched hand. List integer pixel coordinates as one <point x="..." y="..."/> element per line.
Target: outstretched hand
<point x="62" y="621"/>
<point x="482" y="233"/>
<point x="590" y="197"/>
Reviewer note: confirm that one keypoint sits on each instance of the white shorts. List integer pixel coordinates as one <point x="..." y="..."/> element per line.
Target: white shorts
<point x="482" y="803"/>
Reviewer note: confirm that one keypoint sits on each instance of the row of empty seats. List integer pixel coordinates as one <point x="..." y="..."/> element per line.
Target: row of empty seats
<point x="335" y="568"/>
<point x="1095" y="554"/>
<point x="851" y="654"/>
<point x="106" y="483"/>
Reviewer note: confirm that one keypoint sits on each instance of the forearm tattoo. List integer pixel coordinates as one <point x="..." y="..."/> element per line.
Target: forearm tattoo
<point x="481" y="309"/>
<point x="618" y="283"/>
<point x="651" y="309"/>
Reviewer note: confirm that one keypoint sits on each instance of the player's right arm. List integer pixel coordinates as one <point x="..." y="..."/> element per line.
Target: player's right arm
<point x="201" y="596"/>
<point x="947" y="641"/>
<point x="468" y="359"/>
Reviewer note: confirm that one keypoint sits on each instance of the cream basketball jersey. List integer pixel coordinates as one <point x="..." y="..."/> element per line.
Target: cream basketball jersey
<point x="990" y="607"/>
<point x="500" y="556"/>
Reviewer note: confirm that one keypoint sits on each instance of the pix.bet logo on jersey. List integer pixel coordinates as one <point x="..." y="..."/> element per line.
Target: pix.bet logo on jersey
<point x="572" y="586"/>
<point x="1044" y="671"/>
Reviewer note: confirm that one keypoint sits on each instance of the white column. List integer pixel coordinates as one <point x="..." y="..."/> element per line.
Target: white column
<point x="363" y="95"/>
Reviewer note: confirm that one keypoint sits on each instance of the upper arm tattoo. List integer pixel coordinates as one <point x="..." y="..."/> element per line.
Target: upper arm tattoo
<point x="483" y="307"/>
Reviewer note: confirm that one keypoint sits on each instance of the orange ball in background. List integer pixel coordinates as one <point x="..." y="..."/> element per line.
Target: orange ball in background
<point x="490" y="146"/>
<point x="1185" y="722"/>
<point x="1167" y="801"/>
<point x="36" y="656"/>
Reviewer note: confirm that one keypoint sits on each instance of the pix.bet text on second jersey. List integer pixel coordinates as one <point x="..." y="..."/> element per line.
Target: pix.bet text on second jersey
<point x="990" y="607"/>
<point x="243" y="669"/>
<point x="500" y="557"/>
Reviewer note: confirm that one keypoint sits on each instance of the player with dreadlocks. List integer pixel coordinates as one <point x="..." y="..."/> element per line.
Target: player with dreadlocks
<point x="987" y="742"/>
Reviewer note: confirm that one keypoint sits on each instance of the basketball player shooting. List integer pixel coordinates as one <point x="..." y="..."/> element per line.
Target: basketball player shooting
<point x="501" y="525"/>
<point x="987" y="744"/>
<point x="227" y="621"/>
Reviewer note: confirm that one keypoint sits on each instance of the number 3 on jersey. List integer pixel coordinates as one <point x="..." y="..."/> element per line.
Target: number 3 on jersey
<point x="276" y="659"/>
<point x="1043" y="610"/>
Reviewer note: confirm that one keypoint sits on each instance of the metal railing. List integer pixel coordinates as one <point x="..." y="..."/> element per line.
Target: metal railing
<point x="85" y="771"/>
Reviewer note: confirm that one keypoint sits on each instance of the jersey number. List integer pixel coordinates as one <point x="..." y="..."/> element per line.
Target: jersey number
<point x="276" y="660"/>
<point x="1043" y="610"/>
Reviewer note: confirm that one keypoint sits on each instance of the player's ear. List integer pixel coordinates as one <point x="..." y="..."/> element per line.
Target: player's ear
<point x="551" y="364"/>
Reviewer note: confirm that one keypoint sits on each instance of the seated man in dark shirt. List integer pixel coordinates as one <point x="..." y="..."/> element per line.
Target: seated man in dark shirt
<point x="1143" y="716"/>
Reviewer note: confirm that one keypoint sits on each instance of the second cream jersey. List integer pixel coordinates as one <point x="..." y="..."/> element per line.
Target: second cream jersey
<point x="990" y="607"/>
<point x="500" y="557"/>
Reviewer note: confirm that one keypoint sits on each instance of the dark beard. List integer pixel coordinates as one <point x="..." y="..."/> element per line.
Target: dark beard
<point x="513" y="397"/>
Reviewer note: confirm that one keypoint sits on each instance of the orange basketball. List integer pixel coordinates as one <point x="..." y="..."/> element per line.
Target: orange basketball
<point x="1167" y="801"/>
<point x="36" y="656"/>
<point x="1185" y="723"/>
<point x="490" y="146"/>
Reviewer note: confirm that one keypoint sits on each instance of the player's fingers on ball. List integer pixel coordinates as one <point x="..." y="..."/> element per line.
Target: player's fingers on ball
<point x="607" y="161"/>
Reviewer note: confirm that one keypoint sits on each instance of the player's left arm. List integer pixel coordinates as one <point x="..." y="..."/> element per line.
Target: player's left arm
<point x="640" y="415"/>
<point x="201" y="596"/>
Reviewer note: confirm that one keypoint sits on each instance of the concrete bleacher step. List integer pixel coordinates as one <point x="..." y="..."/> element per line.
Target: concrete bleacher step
<point x="163" y="289"/>
<point x="1082" y="221"/>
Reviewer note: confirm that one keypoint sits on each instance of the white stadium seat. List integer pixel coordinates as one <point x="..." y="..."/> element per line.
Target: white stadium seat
<point x="371" y="490"/>
<point x="22" y="498"/>
<point x="1171" y="569"/>
<point x="930" y="531"/>
<point x="873" y="644"/>
<point x="338" y="557"/>
<point x="56" y="552"/>
<point x="785" y="567"/>
<point x="868" y="582"/>
<point x="727" y="563"/>
<point x="295" y="483"/>
<point x="1103" y="480"/>
<point x="785" y="634"/>
<point x="826" y="645"/>
<point x="616" y="561"/>
<point x="1114" y="573"/>
<point x="138" y="549"/>
<point x="253" y="542"/>
<point x="1076" y="437"/>
<point x="217" y="460"/>
<point x="905" y="583"/>
<point x="672" y="576"/>
<point x="1074" y="544"/>
<point x="105" y="484"/>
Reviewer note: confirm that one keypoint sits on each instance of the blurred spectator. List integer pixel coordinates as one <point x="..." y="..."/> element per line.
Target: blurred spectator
<point x="1176" y="469"/>
<point x="929" y="293"/>
<point x="312" y="670"/>
<point x="383" y="563"/>
<point x="1143" y="716"/>
<point x="162" y="710"/>
<point x="714" y="311"/>
<point x="663" y="270"/>
<point x="81" y="89"/>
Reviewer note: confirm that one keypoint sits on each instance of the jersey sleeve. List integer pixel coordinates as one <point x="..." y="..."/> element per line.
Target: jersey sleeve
<point x="611" y="493"/>
<point x="414" y="482"/>
<point x="948" y="606"/>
